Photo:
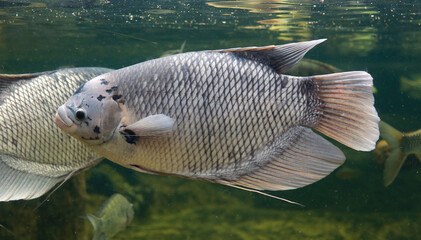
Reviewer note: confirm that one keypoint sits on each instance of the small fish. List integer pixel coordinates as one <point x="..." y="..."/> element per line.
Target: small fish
<point x="114" y="216"/>
<point x="309" y="67"/>
<point x="347" y="173"/>
<point x="411" y="85"/>
<point x="401" y="145"/>
<point x="174" y="51"/>
<point x="34" y="154"/>
<point x="383" y="150"/>
<point x="226" y="116"/>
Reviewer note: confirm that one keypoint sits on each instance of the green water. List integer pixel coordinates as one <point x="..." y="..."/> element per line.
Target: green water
<point x="381" y="37"/>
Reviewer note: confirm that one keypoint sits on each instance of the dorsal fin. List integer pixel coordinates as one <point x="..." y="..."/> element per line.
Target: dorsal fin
<point x="8" y="79"/>
<point x="281" y="57"/>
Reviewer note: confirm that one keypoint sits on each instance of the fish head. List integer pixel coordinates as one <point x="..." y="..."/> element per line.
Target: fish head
<point x="92" y="114"/>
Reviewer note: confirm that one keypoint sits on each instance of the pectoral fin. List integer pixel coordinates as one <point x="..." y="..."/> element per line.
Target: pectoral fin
<point x="151" y="126"/>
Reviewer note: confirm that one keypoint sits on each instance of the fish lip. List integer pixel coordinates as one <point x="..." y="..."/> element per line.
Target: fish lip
<point x="61" y="119"/>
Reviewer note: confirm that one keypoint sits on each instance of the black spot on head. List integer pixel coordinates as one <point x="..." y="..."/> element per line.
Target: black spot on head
<point x="109" y="91"/>
<point x="79" y="89"/>
<point x="116" y="97"/>
<point x="97" y="130"/>
<point x="100" y="97"/>
<point x="104" y="82"/>
<point x="130" y="136"/>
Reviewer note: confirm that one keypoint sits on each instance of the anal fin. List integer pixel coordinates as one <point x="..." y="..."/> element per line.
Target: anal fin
<point x="296" y="159"/>
<point x="16" y="184"/>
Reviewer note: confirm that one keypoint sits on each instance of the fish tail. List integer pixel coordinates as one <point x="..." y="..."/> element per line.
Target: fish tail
<point x="347" y="110"/>
<point x="394" y="162"/>
<point x="94" y="220"/>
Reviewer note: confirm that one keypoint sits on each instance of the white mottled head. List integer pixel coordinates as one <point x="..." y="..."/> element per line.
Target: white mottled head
<point x="92" y="114"/>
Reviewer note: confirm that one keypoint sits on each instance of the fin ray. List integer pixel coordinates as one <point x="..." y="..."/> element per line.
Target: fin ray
<point x="281" y="57"/>
<point x="286" y="166"/>
<point x="348" y="113"/>
<point x="154" y="125"/>
<point x="16" y="185"/>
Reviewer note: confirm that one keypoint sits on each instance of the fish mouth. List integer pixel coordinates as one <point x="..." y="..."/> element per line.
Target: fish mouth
<point x="62" y="120"/>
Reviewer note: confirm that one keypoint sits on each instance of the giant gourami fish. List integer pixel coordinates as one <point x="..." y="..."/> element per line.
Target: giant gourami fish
<point x="400" y="145"/>
<point x="34" y="154"/>
<point x="114" y="216"/>
<point x="226" y="116"/>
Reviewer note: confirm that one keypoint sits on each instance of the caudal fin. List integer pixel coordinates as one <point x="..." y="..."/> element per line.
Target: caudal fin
<point x="348" y="113"/>
<point x="94" y="220"/>
<point x="394" y="162"/>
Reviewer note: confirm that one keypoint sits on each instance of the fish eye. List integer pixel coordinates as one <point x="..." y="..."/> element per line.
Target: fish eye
<point x="80" y="114"/>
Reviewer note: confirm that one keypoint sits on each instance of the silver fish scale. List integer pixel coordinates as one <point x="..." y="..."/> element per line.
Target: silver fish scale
<point x="28" y="132"/>
<point x="225" y="108"/>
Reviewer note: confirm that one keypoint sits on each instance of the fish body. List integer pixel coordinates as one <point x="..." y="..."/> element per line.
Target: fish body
<point x="114" y="216"/>
<point x="34" y="154"/>
<point x="401" y="145"/>
<point x="226" y="116"/>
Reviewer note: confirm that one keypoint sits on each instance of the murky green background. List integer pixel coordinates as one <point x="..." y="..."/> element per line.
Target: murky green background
<point x="382" y="37"/>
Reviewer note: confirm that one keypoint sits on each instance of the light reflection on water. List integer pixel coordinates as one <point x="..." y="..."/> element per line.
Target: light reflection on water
<point x="297" y="20"/>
